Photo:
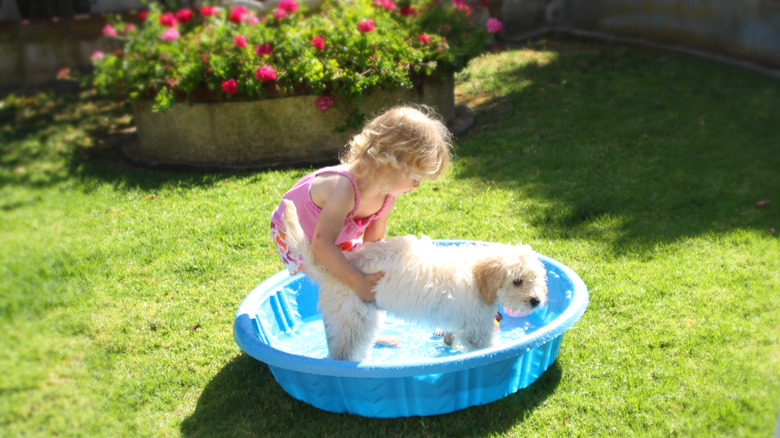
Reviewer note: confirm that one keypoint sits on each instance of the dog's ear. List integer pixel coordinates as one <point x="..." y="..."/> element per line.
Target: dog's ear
<point x="488" y="274"/>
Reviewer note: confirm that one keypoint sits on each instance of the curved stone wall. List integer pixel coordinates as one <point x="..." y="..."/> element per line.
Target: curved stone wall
<point x="266" y="133"/>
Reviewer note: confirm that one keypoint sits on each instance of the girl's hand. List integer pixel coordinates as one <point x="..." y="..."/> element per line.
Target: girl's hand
<point x="365" y="290"/>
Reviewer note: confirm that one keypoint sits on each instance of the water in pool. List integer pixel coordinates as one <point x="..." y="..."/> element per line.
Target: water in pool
<point x="417" y="342"/>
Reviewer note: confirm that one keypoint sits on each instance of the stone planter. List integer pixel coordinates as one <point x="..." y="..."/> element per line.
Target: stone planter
<point x="269" y="133"/>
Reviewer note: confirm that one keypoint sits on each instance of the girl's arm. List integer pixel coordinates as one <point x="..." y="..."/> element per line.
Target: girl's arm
<point x="338" y="203"/>
<point x="378" y="228"/>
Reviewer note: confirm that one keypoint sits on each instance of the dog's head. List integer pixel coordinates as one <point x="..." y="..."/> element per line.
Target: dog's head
<point x="513" y="277"/>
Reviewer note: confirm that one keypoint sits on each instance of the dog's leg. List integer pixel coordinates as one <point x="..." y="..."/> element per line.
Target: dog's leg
<point x="366" y="337"/>
<point x="339" y="337"/>
<point x="350" y="328"/>
<point x="476" y="337"/>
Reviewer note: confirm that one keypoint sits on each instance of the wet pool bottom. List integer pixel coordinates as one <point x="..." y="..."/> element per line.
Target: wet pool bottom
<point x="308" y="339"/>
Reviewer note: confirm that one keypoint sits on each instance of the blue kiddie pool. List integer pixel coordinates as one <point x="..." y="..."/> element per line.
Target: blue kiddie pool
<point x="278" y="323"/>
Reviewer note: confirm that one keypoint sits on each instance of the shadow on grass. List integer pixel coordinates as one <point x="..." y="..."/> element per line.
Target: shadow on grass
<point x="52" y="136"/>
<point x="630" y="146"/>
<point x="243" y="399"/>
<point x="109" y="164"/>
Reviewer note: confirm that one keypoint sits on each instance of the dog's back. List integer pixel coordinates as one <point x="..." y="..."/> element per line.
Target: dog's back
<point x="408" y="263"/>
<point x="452" y="287"/>
<point x="423" y="281"/>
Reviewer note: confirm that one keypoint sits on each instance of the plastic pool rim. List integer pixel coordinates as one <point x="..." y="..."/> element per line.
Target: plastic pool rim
<point x="257" y="348"/>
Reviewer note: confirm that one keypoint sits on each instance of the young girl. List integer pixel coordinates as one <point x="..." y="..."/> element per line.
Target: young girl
<point x="339" y="207"/>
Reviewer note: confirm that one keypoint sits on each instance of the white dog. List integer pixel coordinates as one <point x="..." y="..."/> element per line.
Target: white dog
<point x="456" y="288"/>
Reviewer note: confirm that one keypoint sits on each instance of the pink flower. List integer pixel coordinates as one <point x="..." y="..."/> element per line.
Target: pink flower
<point x="324" y="102"/>
<point x="424" y="38"/>
<point x="386" y="4"/>
<point x="280" y="14"/>
<point x="250" y="19"/>
<point x="109" y="31"/>
<point x="142" y="15"/>
<point x="493" y="25"/>
<point x="230" y="86"/>
<point x="318" y="43"/>
<point x="239" y="41"/>
<point x="97" y="55"/>
<point x="266" y="73"/>
<point x="761" y="203"/>
<point x="236" y="13"/>
<point x="483" y="2"/>
<point x="130" y="27"/>
<point x="366" y="26"/>
<point x="167" y="19"/>
<point x="289" y="5"/>
<point x="170" y="34"/>
<point x="264" y="49"/>
<point x="408" y="10"/>
<point x="462" y="6"/>
<point x="208" y="10"/>
<point x="184" y="15"/>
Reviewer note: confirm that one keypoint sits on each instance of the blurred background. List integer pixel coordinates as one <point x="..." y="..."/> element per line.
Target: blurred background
<point x="38" y="38"/>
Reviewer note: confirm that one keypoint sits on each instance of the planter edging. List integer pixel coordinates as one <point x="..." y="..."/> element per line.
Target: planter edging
<point x="266" y="133"/>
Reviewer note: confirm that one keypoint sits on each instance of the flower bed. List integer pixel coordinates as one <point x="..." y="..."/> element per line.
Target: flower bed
<point x="262" y="133"/>
<point x="336" y="57"/>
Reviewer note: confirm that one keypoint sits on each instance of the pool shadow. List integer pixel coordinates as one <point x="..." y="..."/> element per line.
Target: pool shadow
<point x="244" y="399"/>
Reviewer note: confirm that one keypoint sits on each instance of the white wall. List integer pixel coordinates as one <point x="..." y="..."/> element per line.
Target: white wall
<point x="743" y="28"/>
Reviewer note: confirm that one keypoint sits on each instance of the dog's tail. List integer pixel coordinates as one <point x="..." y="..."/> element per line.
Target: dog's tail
<point x="298" y="241"/>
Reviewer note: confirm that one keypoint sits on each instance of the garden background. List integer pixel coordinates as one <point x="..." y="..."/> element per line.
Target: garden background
<point x="652" y="174"/>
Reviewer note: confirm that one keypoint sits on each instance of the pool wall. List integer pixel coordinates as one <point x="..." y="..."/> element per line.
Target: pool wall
<point x="427" y="386"/>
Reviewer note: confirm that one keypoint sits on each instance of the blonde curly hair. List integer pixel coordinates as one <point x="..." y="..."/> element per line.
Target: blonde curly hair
<point x="410" y="140"/>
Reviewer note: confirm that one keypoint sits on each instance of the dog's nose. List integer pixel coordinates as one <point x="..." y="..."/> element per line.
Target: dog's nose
<point x="534" y="301"/>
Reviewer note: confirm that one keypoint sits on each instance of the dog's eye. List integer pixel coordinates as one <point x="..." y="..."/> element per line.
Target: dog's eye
<point x="518" y="282"/>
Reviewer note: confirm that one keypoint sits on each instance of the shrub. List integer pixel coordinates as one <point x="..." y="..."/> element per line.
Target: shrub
<point x="340" y="52"/>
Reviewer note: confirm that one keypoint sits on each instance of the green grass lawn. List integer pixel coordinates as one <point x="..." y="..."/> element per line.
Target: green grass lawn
<point x="641" y="170"/>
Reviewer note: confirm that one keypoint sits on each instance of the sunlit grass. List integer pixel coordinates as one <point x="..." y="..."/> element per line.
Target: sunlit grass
<point x="639" y="169"/>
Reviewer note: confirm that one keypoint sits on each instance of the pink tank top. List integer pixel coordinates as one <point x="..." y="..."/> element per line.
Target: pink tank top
<point x="308" y="212"/>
